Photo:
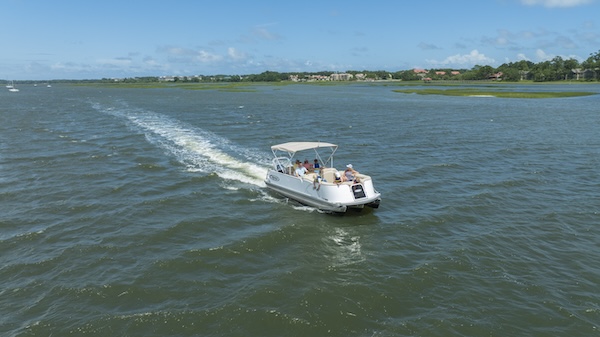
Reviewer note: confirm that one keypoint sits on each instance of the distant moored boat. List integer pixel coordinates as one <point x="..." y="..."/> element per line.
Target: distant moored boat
<point x="11" y="87"/>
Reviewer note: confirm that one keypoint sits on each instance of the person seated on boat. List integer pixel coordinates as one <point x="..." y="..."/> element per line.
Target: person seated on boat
<point x="337" y="178"/>
<point x="300" y="171"/>
<point x="317" y="182"/>
<point x="350" y="174"/>
<point x="292" y="169"/>
<point x="307" y="165"/>
<point x="296" y="164"/>
<point x="316" y="166"/>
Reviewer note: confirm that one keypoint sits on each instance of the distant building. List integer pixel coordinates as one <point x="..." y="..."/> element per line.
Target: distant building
<point x="524" y="74"/>
<point x="421" y="73"/>
<point x="496" y="77"/>
<point x="167" y="78"/>
<point x="318" y="78"/>
<point x="360" y="77"/>
<point x="583" y="73"/>
<point x="341" y="77"/>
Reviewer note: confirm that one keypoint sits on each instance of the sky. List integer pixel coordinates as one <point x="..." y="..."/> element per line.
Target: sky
<point x="92" y="39"/>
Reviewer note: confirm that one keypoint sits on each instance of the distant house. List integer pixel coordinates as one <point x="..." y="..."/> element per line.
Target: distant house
<point x="578" y="73"/>
<point x="583" y="73"/>
<point x="455" y="72"/>
<point x="420" y="73"/>
<point x="361" y="77"/>
<point x="589" y="74"/>
<point x="318" y="78"/>
<point x="440" y="73"/>
<point x="496" y="77"/>
<point x="427" y="79"/>
<point x="341" y="77"/>
<point x="167" y="78"/>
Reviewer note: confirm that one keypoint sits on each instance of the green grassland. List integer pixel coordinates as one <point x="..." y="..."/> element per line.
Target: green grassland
<point x="473" y="90"/>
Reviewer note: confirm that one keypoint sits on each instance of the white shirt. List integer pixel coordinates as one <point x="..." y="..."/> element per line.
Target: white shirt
<point x="301" y="171"/>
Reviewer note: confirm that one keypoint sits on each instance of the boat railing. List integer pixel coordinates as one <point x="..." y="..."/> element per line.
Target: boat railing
<point x="282" y="164"/>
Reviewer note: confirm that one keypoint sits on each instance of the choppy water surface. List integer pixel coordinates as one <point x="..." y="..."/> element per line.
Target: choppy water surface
<point x="130" y="212"/>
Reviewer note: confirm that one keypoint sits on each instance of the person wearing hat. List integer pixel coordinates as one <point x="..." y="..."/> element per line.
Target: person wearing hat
<point x="337" y="178"/>
<point x="350" y="173"/>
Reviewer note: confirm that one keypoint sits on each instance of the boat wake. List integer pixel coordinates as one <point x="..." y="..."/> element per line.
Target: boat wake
<point x="199" y="150"/>
<point x="346" y="248"/>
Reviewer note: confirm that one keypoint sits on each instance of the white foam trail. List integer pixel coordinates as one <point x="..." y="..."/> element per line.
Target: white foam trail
<point x="347" y="249"/>
<point x="199" y="150"/>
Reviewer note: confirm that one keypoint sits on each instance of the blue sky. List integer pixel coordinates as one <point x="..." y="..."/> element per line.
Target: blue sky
<point x="76" y="39"/>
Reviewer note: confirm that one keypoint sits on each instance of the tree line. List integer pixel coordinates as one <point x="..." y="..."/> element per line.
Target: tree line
<point x="556" y="69"/>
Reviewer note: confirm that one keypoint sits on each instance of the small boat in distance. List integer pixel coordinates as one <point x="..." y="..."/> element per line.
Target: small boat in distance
<point x="323" y="187"/>
<point x="11" y="87"/>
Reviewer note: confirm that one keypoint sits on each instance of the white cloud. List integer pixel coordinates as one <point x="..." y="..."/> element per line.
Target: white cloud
<point x="542" y="56"/>
<point x="150" y="61"/>
<point x="263" y="33"/>
<point x="470" y="59"/>
<point x="556" y="3"/>
<point x="236" y="55"/>
<point x="186" y="55"/>
<point x="206" y="57"/>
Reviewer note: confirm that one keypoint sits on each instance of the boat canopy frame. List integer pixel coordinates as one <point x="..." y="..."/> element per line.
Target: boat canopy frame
<point x="291" y="148"/>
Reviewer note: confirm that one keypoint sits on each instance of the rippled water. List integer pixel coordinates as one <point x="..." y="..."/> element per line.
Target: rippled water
<point x="130" y="212"/>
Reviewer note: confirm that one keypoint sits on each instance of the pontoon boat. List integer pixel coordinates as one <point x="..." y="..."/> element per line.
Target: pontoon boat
<point x="325" y="187"/>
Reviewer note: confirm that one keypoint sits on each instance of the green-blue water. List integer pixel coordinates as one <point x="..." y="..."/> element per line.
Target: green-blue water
<point x="143" y="212"/>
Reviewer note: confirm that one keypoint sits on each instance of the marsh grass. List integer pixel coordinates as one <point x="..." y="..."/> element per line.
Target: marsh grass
<point x="493" y="93"/>
<point x="449" y="89"/>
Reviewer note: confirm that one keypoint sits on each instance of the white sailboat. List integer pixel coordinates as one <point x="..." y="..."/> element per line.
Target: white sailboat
<point x="11" y="87"/>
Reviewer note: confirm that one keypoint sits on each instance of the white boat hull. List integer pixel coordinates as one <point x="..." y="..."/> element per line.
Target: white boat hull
<point x="326" y="196"/>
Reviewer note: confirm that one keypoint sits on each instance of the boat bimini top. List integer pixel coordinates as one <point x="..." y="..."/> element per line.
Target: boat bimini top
<point x="292" y="147"/>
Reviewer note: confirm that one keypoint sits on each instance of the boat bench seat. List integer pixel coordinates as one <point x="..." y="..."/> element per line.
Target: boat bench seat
<point x="329" y="175"/>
